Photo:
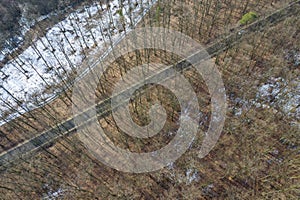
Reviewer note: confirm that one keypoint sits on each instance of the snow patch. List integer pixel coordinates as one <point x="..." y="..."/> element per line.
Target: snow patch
<point x="276" y="93"/>
<point x="191" y="176"/>
<point x="282" y="95"/>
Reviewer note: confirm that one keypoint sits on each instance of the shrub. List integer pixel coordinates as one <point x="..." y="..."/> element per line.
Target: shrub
<point x="120" y="12"/>
<point x="248" y="18"/>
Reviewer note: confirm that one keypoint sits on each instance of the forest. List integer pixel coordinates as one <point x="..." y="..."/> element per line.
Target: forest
<point x="77" y="63"/>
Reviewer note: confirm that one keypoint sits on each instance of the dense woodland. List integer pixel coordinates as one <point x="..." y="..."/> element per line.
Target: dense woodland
<point x="11" y="12"/>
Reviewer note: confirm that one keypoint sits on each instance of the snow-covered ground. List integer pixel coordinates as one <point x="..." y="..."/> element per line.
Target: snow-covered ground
<point x="48" y="61"/>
